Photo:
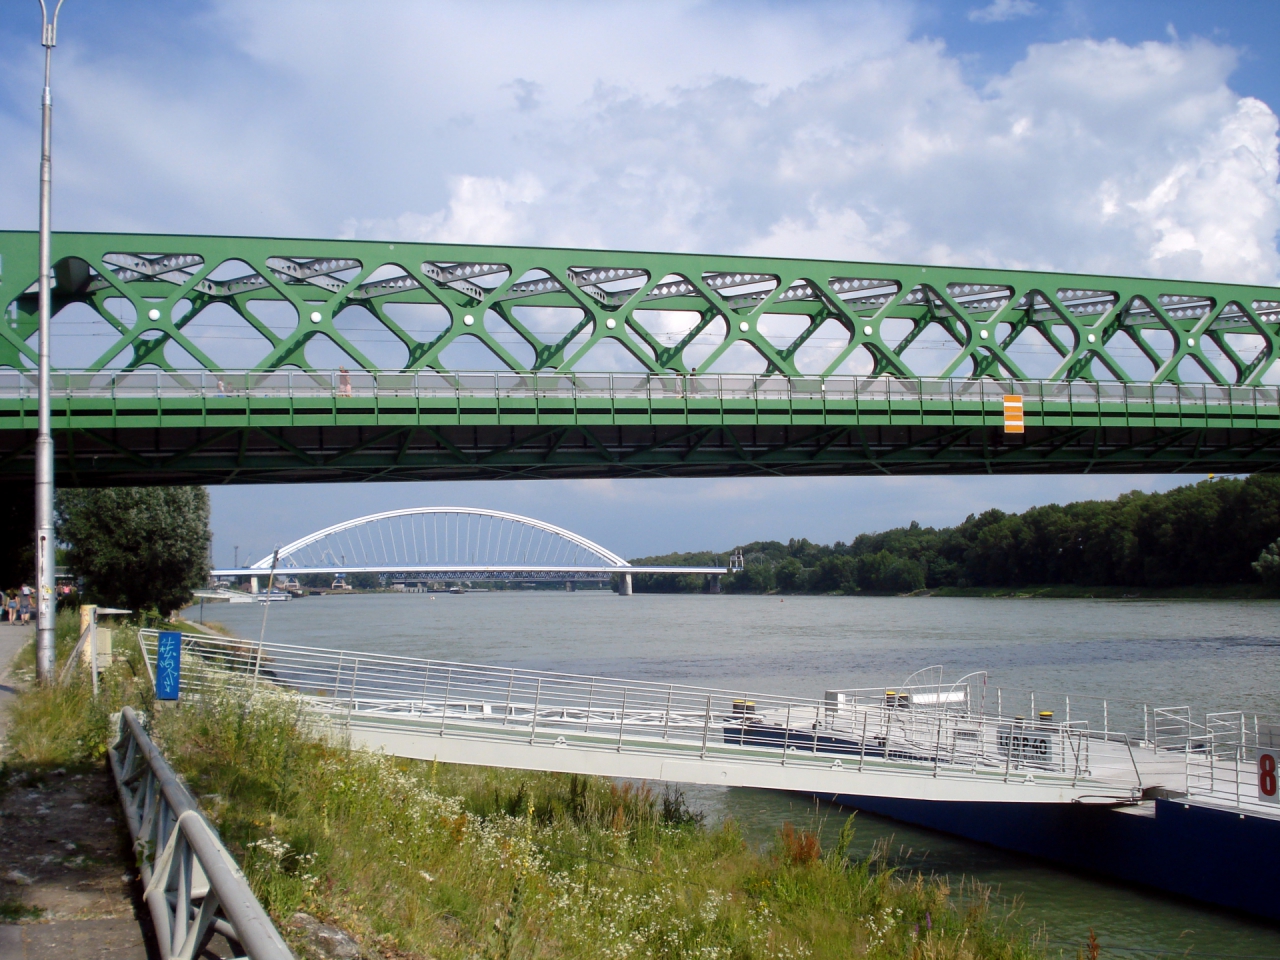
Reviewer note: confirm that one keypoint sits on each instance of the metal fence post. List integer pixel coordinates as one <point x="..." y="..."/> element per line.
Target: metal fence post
<point x="444" y="704"/>
<point x="622" y="718"/>
<point x="351" y="701"/>
<point x="426" y="680"/>
<point x="533" y="722"/>
<point x="706" y="728"/>
<point x="506" y="713"/>
<point x="666" y="718"/>
<point x="257" y="663"/>
<point x="786" y="736"/>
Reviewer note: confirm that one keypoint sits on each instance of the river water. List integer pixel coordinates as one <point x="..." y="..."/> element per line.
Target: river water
<point x="1214" y="655"/>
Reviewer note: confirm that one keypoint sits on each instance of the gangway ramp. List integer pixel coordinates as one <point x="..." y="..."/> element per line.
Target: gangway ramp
<point x="948" y="750"/>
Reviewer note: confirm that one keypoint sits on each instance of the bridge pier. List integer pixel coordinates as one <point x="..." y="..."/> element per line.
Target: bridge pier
<point x="568" y="586"/>
<point x="253" y="584"/>
<point x="715" y="583"/>
<point x="624" y="585"/>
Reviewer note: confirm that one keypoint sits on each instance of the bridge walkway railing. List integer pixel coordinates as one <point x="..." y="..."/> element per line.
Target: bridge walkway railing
<point x="161" y="384"/>
<point x="423" y="698"/>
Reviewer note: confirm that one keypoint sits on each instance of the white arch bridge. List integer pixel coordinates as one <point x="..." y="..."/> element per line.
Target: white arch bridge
<point x="454" y="543"/>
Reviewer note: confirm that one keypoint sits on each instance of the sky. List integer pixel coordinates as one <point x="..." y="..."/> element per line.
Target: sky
<point x="1135" y="138"/>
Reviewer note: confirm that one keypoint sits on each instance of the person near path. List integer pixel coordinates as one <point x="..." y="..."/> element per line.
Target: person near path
<point x="344" y="382"/>
<point x="24" y="605"/>
<point x="12" y="607"/>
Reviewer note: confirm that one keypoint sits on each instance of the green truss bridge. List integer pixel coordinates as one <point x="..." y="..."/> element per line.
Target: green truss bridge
<point x="184" y="359"/>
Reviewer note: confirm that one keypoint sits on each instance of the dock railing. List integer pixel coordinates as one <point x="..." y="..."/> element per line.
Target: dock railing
<point x="1223" y="760"/>
<point x="442" y="698"/>
<point x="1112" y="718"/>
<point x="193" y="888"/>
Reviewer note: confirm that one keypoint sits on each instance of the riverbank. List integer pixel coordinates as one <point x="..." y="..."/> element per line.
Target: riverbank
<point x="1230" y="591"/>
<point x="418" y="859"/>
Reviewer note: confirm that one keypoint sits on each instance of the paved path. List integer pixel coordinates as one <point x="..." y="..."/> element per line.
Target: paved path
<point x="12" y="639"/>
<point x="63" y="848"/>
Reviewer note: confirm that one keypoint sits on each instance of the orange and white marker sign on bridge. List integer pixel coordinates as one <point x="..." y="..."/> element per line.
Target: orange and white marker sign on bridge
<point x="1013" y="413"/>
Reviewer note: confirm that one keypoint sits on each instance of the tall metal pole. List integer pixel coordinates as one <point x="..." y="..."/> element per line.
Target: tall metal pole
<point x="46" y="607"/>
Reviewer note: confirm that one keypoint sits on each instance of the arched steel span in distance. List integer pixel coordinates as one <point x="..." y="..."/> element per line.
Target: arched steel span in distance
<point x="451" y="543"/>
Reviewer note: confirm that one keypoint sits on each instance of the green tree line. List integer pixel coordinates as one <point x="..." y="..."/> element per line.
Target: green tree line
<point x="1210" y="533"/>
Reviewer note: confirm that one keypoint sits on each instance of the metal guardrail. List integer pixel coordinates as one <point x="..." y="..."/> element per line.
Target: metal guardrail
<point x="1107" y="715"/>
<point x="1222" y="759"/>
<point x="193" y="888"/>
<point x="441" y="698"/>
<point x="159" y="384"/>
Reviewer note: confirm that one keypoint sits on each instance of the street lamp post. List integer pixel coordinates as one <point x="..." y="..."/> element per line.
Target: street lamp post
<point x="46" y="607"/>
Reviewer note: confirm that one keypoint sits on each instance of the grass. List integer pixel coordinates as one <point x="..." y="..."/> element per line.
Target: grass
<point x="62" y="725"/>
<point x="15" y="911"/>
<point x="421" y="859"/>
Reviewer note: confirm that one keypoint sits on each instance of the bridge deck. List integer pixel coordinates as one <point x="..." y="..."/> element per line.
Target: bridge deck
<point x="533" y="720"/>
<point x="164" y="427"/>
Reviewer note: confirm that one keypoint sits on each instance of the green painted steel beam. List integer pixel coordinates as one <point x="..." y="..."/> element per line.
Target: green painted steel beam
<point x="829" y="367"/>
<point x="176" y="302"/>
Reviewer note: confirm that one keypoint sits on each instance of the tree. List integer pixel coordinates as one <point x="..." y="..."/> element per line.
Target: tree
<point x="790" y="575"/>
<point x="142" y="548"/>
<point x="1267" y="566"/>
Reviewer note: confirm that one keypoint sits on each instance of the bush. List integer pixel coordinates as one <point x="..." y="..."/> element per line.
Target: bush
<point x="1267" y="566"/>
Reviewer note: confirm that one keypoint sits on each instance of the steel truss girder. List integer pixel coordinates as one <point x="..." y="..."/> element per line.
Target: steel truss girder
<point x="295" y="454"/>
<point x="1087" y="327"/>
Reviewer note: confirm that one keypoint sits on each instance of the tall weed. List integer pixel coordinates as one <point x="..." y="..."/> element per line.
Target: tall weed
<point x="454" y="861"/>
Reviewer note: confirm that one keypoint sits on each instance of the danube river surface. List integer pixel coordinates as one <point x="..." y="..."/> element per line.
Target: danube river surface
<point x="1216" y="655"/>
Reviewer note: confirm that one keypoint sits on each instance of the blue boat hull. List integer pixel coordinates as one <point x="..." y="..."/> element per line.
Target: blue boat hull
<point x="1210" y="854"/>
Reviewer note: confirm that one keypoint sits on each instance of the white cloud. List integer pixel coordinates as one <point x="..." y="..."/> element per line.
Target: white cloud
<point x="480" y="210"/>
<point x="824" y="132"/>
<point x="1000" y="10"/>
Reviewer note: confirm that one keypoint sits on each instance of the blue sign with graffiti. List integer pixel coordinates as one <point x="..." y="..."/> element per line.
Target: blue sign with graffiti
<point x="168" y="665"/>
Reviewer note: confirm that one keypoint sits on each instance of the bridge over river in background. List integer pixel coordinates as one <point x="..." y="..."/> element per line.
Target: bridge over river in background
<point x="196" y="359"/>
<point x="425" y="544"/>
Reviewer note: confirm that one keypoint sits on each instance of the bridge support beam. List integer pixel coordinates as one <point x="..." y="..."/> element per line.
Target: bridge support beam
<point x="253" y="584"/>
<point x="568" y="586"/>
<point x="715" y="583"/>
<point x="624" y="585"/>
